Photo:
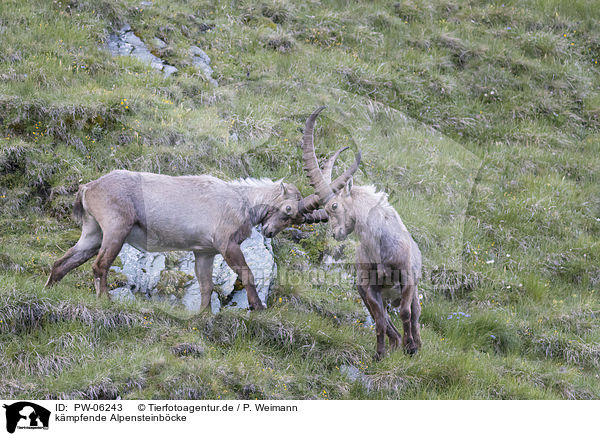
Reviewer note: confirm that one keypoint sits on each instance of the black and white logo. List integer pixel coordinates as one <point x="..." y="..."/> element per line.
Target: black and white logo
<point x="26" y="415"/>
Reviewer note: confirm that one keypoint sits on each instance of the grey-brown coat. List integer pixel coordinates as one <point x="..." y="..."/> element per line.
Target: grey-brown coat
<point x="156" y="212"/>
<point x="388" y="259"/>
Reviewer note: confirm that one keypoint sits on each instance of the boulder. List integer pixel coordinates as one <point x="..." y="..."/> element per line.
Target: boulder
<point x="201" y="61"/>
<point x="126" y="43"/>
<point x="158" y="43"/>
<point x="171" y="277"/>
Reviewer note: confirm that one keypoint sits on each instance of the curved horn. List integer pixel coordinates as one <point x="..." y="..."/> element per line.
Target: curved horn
<point x="308" y="204"/>
<point x="341" y="180"/>
<point x="327" y="167"/>
<point x="316" y="217"/>
<point x="311" y="166"/>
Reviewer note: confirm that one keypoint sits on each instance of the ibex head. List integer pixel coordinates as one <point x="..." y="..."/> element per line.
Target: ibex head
<point x="334" y="196"/>
<point x="287" y="208"/>
<point x="341" y="213"/>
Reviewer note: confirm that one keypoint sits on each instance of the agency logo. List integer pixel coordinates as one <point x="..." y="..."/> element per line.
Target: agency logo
<point x="26" y="415"/>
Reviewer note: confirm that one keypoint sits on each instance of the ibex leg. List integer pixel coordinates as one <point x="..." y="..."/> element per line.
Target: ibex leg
<point x="408" y="294"/>
<point x="414" y="319"/>
<point x="235" y="259"/>
<point x="390" y="329"/>
<point x="204" y="267"/>
<point x="112" y="241"/>
<point x="366" y="275"/>
<point x="86" y="247"/>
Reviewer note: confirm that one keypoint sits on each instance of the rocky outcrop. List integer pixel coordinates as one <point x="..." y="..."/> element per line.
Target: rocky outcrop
<point x="170" y="276"/>
<point x="127" y="43"/>
<point x="201" y="61"/>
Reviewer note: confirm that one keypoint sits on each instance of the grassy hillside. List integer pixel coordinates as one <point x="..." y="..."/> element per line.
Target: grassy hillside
<point x="480" y="119"/>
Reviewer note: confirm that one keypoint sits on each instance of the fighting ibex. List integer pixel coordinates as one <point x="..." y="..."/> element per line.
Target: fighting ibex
<point x="202" y="214"/>
<point x="388" y="259"/>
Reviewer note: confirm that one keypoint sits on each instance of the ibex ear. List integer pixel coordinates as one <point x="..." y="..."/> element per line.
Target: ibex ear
<point x="348" y="187"/>
<point x="284" y="190"/>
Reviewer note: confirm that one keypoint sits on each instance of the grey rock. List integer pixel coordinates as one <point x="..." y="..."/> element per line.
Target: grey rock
<point x="355" y="375"/>
<point x="131" y="38"/>
<point x="144" y="55"/>
<point x="143" y="271"/>
<point x="145" y="3"/>
<point x="156" y="64"/>
<point x="223" y="276"/>
<point x="141" y="268"/>
<point x="127" y="43"/>
<point x="259" y="256"/>
<point x="352" y="372"/>
<point x="168" y="70"/>
<point x="240" y="300"/>
<point x="122" y="294"/>
<point x="198" y="52"/>
<point x="192" y="299"/>
<point x="186" y="263"/>
<point x="158" y="43"/>
<point x="118" y="47"/>
<point x="206" y="69"/>
<point x="201" y="61"/>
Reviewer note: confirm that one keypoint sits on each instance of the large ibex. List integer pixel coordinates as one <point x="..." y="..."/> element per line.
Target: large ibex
<point x="388" y="259"/>
<point x="202" y="214"/>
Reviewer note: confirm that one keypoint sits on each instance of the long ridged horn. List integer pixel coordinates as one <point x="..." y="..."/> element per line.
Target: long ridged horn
<point x="311" y="166"/>
<point x="327" y="167"/>
<point x="341" y="181"/>
<point x="316" y="216"/>
<point x="308" y="204"/>
<point x="312" y="201"/>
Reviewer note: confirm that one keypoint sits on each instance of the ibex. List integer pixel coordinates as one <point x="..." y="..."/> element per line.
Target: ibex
<point x="202" y="214"/>
<point x="388" y="259"/>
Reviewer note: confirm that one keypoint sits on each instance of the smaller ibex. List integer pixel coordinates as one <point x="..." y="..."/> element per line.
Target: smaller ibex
<point x="388" y="259"/>
<point x="202" y="214"/>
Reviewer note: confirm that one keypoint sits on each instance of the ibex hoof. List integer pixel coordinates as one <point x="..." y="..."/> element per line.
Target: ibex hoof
<point x="257" y="306"/>
<point x="411" y="350"/>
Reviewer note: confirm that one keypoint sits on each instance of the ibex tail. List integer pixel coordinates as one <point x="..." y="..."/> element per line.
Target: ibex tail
<point x="78" y="205"/>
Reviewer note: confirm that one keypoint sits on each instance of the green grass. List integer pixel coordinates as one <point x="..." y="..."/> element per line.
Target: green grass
<point x="479" y="119"/>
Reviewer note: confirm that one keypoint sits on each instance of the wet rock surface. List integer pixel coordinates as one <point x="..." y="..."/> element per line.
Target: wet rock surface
<point x="171" y="277"/>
